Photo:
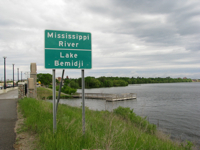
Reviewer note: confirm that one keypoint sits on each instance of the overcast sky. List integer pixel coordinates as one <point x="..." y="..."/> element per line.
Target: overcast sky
<point x="146" y="38"/>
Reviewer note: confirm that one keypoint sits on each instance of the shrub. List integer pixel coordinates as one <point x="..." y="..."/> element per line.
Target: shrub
<point x="68" y="90"/>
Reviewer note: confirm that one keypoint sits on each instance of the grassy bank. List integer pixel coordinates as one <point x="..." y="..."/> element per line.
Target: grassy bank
<point x="45" y="93"/>
<point x="120" y="129"/>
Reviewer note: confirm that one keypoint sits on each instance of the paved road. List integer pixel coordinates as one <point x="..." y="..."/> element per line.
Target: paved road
<point x="8" y="118"/>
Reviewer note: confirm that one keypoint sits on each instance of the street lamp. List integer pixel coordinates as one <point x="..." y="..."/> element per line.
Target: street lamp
<point x="17" y="75"/>
<point x="27" y="74"/>
<point x="13" y="76"/>
<point x="4" y="71"/>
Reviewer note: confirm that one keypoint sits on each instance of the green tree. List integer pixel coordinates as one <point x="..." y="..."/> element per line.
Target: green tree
<point x="91" y="82"/>
<point x="44" y="78"/>
<point x="108" y="83"/>
<point x="74" y="85"/>
<point x="102" y="79"/>
<point x="66" y="81"/>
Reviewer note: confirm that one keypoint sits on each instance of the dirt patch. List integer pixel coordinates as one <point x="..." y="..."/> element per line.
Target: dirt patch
<point x="25" y="140"/>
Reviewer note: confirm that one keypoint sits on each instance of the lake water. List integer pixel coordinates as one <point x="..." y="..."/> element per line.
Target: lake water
<point x="175" y="107"/>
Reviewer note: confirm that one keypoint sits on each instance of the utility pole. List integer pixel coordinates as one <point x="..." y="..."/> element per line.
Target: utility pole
<point x="21" y="76"/>
<point x="4" y="71"/>
<point x="13" y="76"/>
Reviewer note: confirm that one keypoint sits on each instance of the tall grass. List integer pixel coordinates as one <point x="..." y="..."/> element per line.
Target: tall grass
<point x="45" y="93"/>
<point x="104" y="130"/>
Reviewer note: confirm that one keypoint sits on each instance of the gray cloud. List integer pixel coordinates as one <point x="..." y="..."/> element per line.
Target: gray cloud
<point x="129" y="38"/>
<point x="155" y="22"/>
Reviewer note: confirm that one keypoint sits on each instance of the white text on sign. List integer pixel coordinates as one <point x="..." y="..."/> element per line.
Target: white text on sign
<point x="68" y="36"/>
<point x="68" y="55"/>
<point x="72" y="63"/>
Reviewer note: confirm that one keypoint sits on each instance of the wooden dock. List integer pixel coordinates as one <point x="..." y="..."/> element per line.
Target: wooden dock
<point x="108" y="97"/>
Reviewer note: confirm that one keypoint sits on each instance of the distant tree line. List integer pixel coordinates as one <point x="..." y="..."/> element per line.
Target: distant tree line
<point x="92" y="82"/>
<point x="141" y="80"/>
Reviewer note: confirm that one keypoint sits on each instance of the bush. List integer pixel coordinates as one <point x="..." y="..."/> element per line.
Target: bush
<point x="68" y="90"/>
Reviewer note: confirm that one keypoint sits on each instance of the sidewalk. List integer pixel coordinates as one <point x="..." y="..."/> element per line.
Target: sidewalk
<point x="8" y="118"/>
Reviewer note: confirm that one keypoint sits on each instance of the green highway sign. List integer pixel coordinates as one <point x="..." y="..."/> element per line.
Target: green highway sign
<point x="67" y="50"/>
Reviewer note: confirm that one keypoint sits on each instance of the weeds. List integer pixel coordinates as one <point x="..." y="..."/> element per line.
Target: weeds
<point x="121" y="129"/>
<point x="45" y="93"/>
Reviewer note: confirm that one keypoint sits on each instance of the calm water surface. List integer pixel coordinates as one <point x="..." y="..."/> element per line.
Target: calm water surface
<point x="175" y="107"/>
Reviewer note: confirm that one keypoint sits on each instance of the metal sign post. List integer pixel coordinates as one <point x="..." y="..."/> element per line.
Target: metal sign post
<point x="83" y="102"/>
<point x="54" y="100"/>
<point x="60" y="90"/>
